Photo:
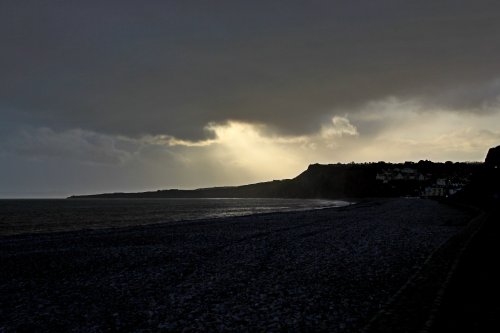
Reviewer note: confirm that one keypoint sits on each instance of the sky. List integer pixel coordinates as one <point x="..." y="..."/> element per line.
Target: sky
<point x="105" y="96"/>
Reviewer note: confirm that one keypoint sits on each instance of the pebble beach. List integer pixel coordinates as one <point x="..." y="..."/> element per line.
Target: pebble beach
<point x="320" y="270"/>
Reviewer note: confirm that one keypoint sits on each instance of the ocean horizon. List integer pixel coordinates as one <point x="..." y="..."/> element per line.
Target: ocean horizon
<point x="21" y="216"/>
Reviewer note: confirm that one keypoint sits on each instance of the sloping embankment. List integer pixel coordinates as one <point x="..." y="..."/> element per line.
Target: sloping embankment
<point x="418" y="305"/>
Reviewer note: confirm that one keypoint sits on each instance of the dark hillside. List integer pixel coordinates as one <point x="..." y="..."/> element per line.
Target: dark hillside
<point x="339" y="180"/>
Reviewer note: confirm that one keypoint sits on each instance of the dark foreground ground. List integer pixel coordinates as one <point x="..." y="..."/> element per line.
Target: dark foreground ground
<point x="325" y="270"/>
<point x="457" y="290"/>
<point x="471" y="302"/>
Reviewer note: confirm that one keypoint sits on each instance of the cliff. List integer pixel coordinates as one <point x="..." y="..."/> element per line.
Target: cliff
<point x="493" y="157"/>
<point x="329" y="181"/>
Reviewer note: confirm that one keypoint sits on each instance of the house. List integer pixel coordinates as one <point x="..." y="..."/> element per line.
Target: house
<point x="399" y="176"/>
<point x="441" y="182"/>
<point x="434" y="191"/>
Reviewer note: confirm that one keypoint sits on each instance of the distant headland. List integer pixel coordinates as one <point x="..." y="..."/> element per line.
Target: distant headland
<point x="352" y="180"/>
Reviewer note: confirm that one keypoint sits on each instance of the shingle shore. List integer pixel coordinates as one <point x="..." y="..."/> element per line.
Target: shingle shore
<point x="327" y="270"/>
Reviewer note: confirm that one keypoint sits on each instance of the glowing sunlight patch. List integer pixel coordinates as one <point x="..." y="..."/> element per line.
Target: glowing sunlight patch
<point x="244" y="146"/>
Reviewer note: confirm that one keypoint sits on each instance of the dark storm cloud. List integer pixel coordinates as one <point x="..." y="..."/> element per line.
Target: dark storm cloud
<point x="87" y="147"/>
<point x="171" y="67"/>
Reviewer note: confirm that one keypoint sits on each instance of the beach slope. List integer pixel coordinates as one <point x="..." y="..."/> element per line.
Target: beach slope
<point x="322" y="270"/>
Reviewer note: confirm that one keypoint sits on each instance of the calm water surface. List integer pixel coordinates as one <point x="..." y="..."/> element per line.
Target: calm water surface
<point x="27" y="216"/>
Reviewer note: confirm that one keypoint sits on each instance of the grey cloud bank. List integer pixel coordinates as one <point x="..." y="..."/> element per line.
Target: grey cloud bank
<point x="172" y="67"/>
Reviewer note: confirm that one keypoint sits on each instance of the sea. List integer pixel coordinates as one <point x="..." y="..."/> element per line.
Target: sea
<point x="52" y="215"/>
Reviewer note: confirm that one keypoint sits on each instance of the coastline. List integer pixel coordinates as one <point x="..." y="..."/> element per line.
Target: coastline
<point x="327" y="269"/>
<point x="139" y="218"/>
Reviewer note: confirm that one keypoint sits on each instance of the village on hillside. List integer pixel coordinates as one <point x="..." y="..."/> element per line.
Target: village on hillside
<point x="424" y="183"/>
